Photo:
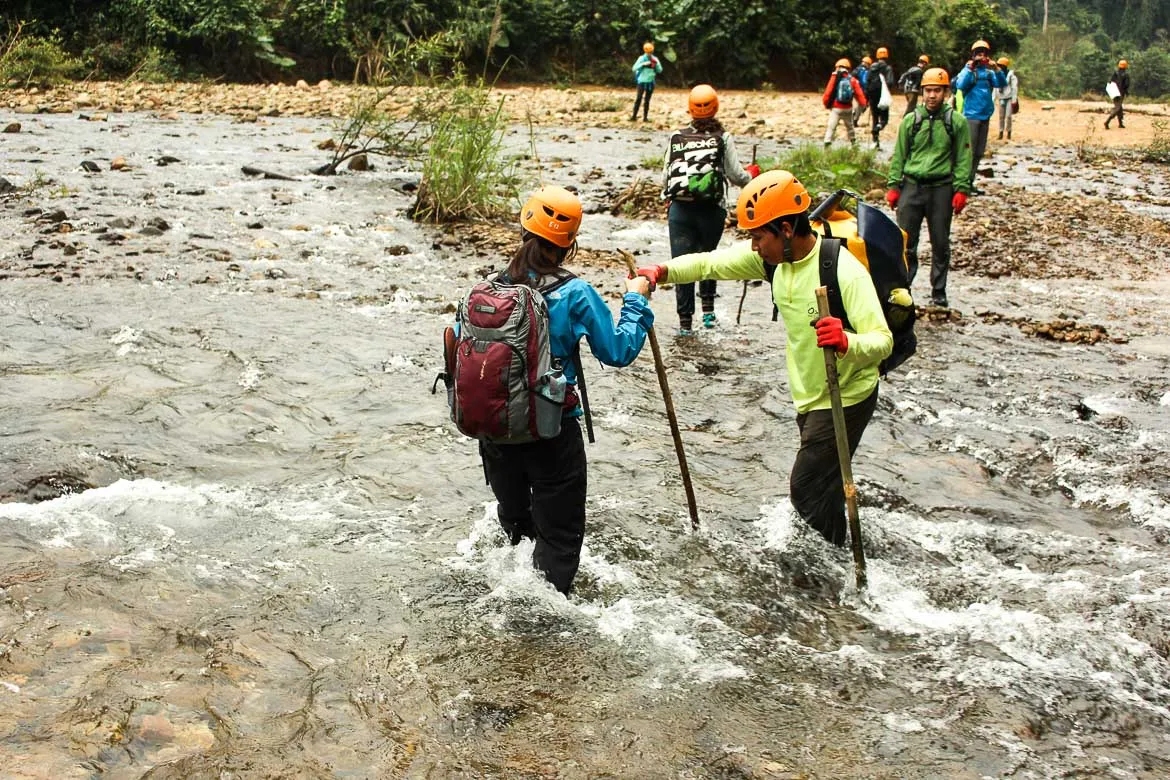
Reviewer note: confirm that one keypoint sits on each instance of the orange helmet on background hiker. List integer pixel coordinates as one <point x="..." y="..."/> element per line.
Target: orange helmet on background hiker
<point x="924" y="58"/>
<point x="867" y="60"/>
<point x="769" y="196"/>
<point x="703" y="102"/>
<point x="1123" y="65"/>
<point x="553" y="213"/>
<point x="843" y="63"/>
<point x="936" y="77"/>
<point x="1004" y="61"/>
<point x="648" y="47"/>
<point x="882" y="53"/>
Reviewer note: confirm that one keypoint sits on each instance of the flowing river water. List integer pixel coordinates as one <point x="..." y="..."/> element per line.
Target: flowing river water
<point x="240" y="538"/>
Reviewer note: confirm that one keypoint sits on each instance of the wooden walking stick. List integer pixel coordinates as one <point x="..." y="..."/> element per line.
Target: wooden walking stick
<point x="843" y="450"/>
<point x="666" y="397"/>
<point x="743" y="297"/>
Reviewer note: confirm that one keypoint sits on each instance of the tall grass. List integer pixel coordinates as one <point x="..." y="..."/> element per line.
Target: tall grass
<point x="1158" y="150"/>
<point x="465" y="174"/>
<point x="831" y="169"/>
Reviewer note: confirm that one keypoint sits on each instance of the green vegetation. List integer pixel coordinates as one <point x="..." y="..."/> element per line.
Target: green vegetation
<point x="35" y="60"/>
<point x="730" y="43"/>
<point x="1158" y="150"/>
<point x="828" y="170"/>
<point x="465" y="175"/>
<point x="600" y="104"/>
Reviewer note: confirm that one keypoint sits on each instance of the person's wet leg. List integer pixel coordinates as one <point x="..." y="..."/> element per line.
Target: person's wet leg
<point x="559" y="485"/>
<point x="504" y="467"/>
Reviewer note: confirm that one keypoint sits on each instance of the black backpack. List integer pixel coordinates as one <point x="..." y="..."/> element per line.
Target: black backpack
<point x="885" y="249"/>
<point x="694" y="169"/>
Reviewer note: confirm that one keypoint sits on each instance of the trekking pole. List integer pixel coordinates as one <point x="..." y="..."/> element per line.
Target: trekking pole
<point x="666" y="397"/>
<point x="743" y="296"/>
<point x="843" y="450"/>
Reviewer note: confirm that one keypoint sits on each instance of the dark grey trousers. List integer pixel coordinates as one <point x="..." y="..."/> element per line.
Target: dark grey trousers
<point x="1118" y="112"/>
<point x="694" y="227"/>
<point x="932" y="202"/>
<point x="979" y="128"/>
<point x="815" y="488"/>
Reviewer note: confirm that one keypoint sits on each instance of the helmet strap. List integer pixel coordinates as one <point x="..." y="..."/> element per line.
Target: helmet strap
<point x="785" y="247"/>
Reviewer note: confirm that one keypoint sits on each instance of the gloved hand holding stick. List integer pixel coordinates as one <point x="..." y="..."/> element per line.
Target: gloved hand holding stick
<point x="666" y="397"/>
<point x="843" y="449"/>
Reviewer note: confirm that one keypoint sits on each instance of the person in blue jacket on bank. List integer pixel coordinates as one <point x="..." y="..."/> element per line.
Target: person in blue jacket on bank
<point x="646" y="70"/>
<point x="979" y="81"/>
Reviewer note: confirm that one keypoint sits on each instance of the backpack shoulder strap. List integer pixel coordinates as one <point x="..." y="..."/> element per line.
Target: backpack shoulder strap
<point x="560" y="279"/>
<point x="918" y="120"/>
<point x="827" y="263"/>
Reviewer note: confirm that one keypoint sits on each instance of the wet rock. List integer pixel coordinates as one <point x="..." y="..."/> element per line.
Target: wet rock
<point x="194" y="192"/>
<point x="6" y="186"/>
<point x="121" y="223"/>
<point x="255" y="225"/>
<point x="302" y="84"/>
<point x="263" y="243"/>
<point x="324" y="85"/>
<point x="359" y="162"/>
<point x="276" y="273"/>
<point x="327" y="145"/>
<point x="398" y="250"/>
<point x="250" y="170"/>
<point x="12" y="127"/>
<point x="54" y="216"/>
<point x="90" y="166"/>
<point x="166" y="160"/>
<point x="119" y="164"/>
<point x="27" y="108"/>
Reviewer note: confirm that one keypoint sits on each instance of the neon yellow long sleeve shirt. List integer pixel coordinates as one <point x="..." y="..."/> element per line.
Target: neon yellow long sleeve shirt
<point x="794" y="292"/>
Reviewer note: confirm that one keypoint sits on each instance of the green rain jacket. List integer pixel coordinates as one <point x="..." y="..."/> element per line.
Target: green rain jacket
<point x="935" y="156"/>
<point x="794" y="292"/>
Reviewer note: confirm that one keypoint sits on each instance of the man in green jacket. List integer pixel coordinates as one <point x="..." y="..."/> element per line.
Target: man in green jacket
<point x="774" y="209"/>
<point x="930" y="176"/>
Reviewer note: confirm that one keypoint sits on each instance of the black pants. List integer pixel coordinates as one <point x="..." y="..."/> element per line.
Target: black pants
<point x="1118" y="112"/>
<point x="815" y="487"/>
<point x="694" y="227"/>
<point x="933" y="203"/>
<point x="911" y="102"/>
<point x="979" y="128"/>
<point x="880" y="118"/>
<point x="647" y="90"/>
<point x="540" y="487"/>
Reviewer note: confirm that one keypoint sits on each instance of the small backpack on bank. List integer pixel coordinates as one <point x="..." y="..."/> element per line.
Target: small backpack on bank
<point x="844" y="90"/>
<point x="503" y="384"/>
<point x="694" y="171"/>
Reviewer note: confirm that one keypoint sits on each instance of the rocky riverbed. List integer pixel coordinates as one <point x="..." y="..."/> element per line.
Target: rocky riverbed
<point x="238" y="535"/>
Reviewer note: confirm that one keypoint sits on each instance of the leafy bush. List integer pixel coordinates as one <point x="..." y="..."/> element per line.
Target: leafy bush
<point x="465" y="174"/>
<point x="826" y="170"/>
<point x="1158" y="150"/>
<point x="33" y="59"/>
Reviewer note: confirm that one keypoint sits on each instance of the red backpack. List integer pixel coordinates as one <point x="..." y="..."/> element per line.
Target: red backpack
<point x="502" y="382"/>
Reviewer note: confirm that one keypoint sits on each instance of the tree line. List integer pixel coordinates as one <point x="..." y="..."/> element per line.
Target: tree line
<point x="731" y="43"/>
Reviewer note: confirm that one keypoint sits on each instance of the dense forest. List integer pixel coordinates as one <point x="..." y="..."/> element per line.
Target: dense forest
<point x="1061" y="48"/>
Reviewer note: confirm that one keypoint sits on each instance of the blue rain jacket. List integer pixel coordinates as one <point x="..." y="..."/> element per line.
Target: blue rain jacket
<point x="978" y="87"/>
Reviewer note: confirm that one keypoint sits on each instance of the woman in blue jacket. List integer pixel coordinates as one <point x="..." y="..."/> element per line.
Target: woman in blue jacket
<point x="540" y="485"/>
<point x="979" y="82"/>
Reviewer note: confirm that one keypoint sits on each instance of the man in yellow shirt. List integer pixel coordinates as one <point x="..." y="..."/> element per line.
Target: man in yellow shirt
<point x="774" y="209"/>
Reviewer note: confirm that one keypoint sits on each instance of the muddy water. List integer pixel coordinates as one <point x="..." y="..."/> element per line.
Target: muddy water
<point x="239" y="537"/>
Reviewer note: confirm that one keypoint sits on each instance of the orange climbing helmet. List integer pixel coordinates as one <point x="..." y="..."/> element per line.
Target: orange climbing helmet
<point x="936" y="77"/>
<point x="1123" y="65"/>
<point x="553" y="213"/>
<point x="703" y="102"/>
<point x="924" y="58"/>
<point x="867" y="60"/>
<point x="648" y="47"/>
<point x="980" y="44"/>
<point x="882" y="53"/>
<point x="843" y="63"/>
<point x="1004" y="61"/>
<point x="769" y="196"/>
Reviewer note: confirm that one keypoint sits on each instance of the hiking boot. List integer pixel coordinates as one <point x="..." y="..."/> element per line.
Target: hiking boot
<point x="1000" y="136"/>
<point x="708" y="319"/>
<point x="1119" y="125"/>
<point x="1106" y="124"/>
<point x="939" y="301"/>
<point x="684" y="326"/>
<point x="685" y="332"/>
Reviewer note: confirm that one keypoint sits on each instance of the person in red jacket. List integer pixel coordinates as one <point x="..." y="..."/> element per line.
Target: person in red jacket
<point x="839" y="95"/>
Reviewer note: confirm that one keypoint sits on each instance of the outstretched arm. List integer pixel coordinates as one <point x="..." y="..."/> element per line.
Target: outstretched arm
<point x="613" y="344"/>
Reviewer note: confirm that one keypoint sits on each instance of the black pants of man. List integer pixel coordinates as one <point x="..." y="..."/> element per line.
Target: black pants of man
<point x="979" y="129"/>
<point x="644" y="90"/>
<point x="880" y="118"/>
<point x="694" y="227"/>
<point x="540" y="487"/>
<point x="931" y="202"/>
<point x="815" y="487"/>
<point x="911" y="102"/>
<point x="1118" y="112"/>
